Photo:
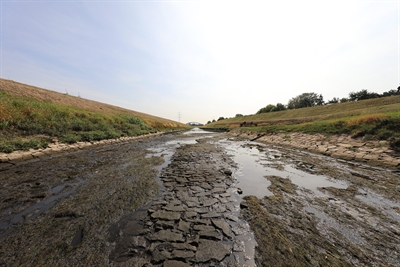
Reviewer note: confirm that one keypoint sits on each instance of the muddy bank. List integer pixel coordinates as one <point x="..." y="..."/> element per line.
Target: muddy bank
<point x="172" y="200"/>
<point x="338" y="146"/>
<point x="57" y="210"/>
<point x="319" y="211"/>
<point x="56" y="148"/>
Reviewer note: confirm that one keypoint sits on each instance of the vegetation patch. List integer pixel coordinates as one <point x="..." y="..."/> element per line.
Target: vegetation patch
<point x="22" y="119"/>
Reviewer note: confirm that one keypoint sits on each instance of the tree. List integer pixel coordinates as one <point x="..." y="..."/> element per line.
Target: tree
<point x="306" y="100"/>
<point x="239" y="115"/>
<point x="266" y="109"/>
<point x="221" y="118"/>
<point x="334" y="100"/>
<point x="392" y="92"/>
<point x="208" y="122"/>
<point x="278" y="107"/>
<point x="213" y="120"/>
<point x="362" y="95"/>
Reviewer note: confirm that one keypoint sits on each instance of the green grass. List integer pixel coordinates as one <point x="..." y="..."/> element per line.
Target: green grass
<point x="373" y="118"/>
<point x="28" y="123"/>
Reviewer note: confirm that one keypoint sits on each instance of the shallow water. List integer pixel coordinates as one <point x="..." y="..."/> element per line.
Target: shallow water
<point x="254" y="165"/>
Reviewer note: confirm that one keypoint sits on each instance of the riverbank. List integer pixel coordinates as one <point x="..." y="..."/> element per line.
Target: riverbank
<point x="337" y="146"/>
<point x="56" y="147"/>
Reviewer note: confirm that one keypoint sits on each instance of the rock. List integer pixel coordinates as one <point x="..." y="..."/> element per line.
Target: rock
<point x="174" y="208"/>
<point x="202" y="227"/>
<point x="209" y="202"/>
<point x="165" y="224"/>
<point x="223" y="226"/>
<point x="211" y="250"/>
<point x="182" y="254"/>
<point x="210" y="235"/>
<point x="161" y="255"/>
<point x="174" y="263"/>
<point x="166" y="235"/>
<point x="243" y="204"/>
<point x="190" y="214"/>
<point x="211" y="214"/>
<point x="184" y="226"/>
<point x="166" y="215"/>
<point x="231" y="217"/>
<point x="183" y="246"/>
<point x="228" y="172"/>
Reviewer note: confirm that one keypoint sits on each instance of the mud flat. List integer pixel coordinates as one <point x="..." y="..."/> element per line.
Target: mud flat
<point x="56" y="210"/>
<point x="173" y="200"/>
<point x="195" y="222"/>
<point x="338" y="146"/>
<point x="317" y="210"/>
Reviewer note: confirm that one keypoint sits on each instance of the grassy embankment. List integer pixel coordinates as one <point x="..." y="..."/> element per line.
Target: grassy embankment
<point x="373" y="119"/>
<point x="31" y="117"/>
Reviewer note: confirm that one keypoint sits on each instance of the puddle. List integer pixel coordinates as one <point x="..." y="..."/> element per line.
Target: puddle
<point x="384" y="205"/>
<point x="254" y="165"/>
<point x="197" y="131"/>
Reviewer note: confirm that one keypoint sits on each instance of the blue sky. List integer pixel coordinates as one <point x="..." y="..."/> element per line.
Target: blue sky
<point x="202" y="59"/>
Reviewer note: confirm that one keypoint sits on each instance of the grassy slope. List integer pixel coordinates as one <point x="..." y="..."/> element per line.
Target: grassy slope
<point x="373" y="118"/>
<point x="31" y="116"/>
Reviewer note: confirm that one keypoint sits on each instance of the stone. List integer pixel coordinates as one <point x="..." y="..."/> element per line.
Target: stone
<point x="210" y="234"/>
<point x="184" y="226"/>
<point x="165" y="224"/>
<point x="201" y="227"/>
<point x="166" y="215"/>
<point x="174" y="208"/>
<point x="223" y="226"/>
<point x="231" y="217"/>
<point x="160" y="255"/>
<point x="211" y="214"/>
<point x="209" y="202"/>
<point x="183" y="246"/>
<point x="175" y="263"/>
<point x="166" y="235"/>
<point x="211" y="250"/>
<point x="190" y="214"/>
<point x="182" y="254"/>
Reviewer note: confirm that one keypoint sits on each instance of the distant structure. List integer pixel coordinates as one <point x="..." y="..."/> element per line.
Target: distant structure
<point x="192" y="123"/>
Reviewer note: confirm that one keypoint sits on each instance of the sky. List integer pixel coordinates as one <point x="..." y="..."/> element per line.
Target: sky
<point x="195" y="61"/>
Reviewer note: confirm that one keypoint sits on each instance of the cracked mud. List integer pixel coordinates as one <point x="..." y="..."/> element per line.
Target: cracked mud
<point x="173" y="200"/>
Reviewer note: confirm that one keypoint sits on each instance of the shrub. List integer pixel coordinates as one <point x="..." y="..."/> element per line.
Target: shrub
<point x="395" y="144"/>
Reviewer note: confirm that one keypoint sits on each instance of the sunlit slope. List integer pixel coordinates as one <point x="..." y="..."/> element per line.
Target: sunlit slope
<point x="386" y="106"/>
<point x="40" y="94"/>
<point x="32" y="117"/>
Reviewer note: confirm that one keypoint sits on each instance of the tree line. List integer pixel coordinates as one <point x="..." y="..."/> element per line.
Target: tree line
<point x="313" y="99"/>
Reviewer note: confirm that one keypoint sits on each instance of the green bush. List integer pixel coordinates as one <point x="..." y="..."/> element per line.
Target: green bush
<point x="395" y="144"/>
<point x="70" y="138"/>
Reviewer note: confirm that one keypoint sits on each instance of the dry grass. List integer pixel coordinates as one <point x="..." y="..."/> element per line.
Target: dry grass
<point x="44" y="95"/>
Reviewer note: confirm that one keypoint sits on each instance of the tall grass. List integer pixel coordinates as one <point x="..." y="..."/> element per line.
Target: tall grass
<point x="27" y="123"/>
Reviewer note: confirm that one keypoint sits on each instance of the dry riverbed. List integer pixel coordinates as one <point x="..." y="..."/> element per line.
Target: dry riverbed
<point x="172" y="200"/>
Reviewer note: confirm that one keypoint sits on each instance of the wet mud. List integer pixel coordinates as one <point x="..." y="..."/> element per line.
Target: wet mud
<point x="320" y="211"/>
<point x="173" y="200"/>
